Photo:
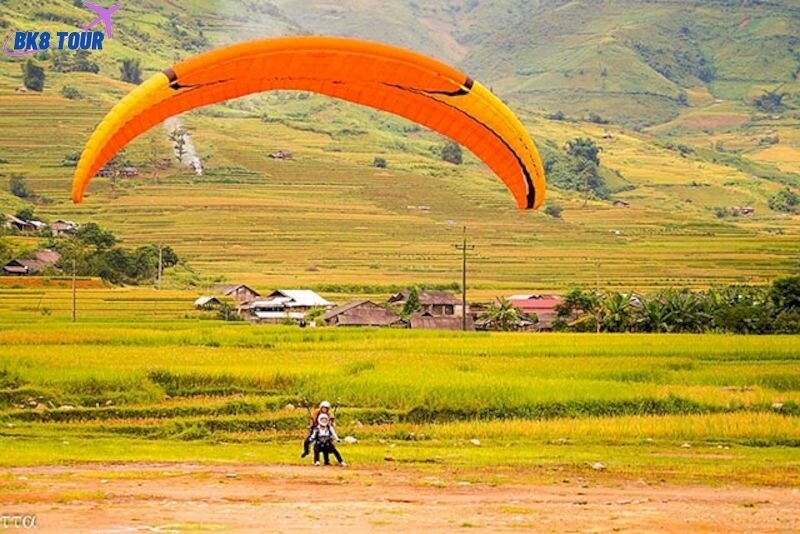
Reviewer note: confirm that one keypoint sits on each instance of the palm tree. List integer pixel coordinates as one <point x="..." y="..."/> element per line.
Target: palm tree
<point x="615" y="310"/>
<point x="653" y="316"/>
<point x="501" y="315"/>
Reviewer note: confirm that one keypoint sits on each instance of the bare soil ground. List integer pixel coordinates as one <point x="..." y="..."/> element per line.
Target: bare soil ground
<point x="170" y="497"/>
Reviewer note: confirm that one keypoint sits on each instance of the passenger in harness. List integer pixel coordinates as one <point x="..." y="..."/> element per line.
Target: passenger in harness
<point x="324" y="408"/>
<point x="323" y="437"/>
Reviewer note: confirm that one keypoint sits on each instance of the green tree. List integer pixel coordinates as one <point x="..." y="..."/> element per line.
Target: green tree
<point x="131" y="70"/>
<point x="616" y="312"/>
<point x="6" y="251"/>
<point x="18" y="187"/>
<point x="785" y="201"/>
<point x="71" y="93"/>
<point x="653" y="316"/>
<point x="33" y="76"/>
<point x="92" y="234"/>
<point x="379" y="162"/>
<point x="412" y="304"/>
<point x="584" y="148"/>
<point x="501" y="315"/>
<point x="178" y="138"/>
<point x="785" y="294"/>
<point x="580" y="311"/>
<point x="26" y="214"/>
<point x="770" y="101"/>
<point x="452" y="153"/>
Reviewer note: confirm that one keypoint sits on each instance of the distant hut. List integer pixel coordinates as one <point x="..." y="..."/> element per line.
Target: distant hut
<point x="129" y="172"/>
<point x="362" y="313"/>
<point x="742" y="211"/>
<point x="282" y="155"/>
<point x="428" y="321"/>
<point x="207" y="303"/>
<point x="437" y="303"/>
<point x="284" y="304"/>
<point x="22" y="225"/>
<point x="542" y="306"/>
<point x="26" y="267"/>
<point x="64" y="228"/>
<point x="238" y="292"/>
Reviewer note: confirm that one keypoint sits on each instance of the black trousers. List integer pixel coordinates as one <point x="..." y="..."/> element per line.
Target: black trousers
<point x="326" y="449"/>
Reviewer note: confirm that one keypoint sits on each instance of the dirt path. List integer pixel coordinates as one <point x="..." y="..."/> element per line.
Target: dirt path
<point x="139" y="497"/>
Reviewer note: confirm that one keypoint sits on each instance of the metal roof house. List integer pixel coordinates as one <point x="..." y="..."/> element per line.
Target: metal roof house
<point x="428" y="321"/>
<point x="207" y="303"/>
<point x="543" y="306"/>
<point x="362" y="313"/>
<point x="283" y="304"/>
<point x="431" y="301"/>
<point x="238" y="292"/>
<point x="44" y="258"/>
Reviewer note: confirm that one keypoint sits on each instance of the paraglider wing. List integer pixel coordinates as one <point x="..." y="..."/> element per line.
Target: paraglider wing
<point x="375" y="75"/>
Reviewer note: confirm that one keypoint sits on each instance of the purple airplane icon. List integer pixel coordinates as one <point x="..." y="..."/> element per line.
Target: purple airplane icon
<point x="104" y="16"/>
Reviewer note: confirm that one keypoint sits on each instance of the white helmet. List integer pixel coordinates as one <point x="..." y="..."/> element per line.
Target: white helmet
<point x="325" y="404"/>
<point x="323" y="419"/>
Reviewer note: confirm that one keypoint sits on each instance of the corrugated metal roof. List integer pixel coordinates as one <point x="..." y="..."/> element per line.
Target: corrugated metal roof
<point x="300" y="297"/>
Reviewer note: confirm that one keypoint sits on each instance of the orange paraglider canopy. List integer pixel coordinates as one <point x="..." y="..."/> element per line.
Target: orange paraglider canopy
<point x="405" y="83"/>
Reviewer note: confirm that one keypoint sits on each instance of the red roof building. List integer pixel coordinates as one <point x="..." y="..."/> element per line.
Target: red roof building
<point x="543" y="306"/>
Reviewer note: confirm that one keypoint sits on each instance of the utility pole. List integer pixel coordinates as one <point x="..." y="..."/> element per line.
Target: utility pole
<point x="597" y="276"/>
<point x="160" y="262"/>
<point x="74" y="284"/>
<point x="463" y="247"/>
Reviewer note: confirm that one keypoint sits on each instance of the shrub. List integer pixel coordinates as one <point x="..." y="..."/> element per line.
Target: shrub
<point x="71" y="93"/>
<point x="18" y="187"/>
<point x="131" y="70"/>
<point x="379" y="162"/>
<point x="785" y="201"/>
<point x="451" y="153"/>
<point x="597" y="119"/>
<point x="33" y="76"/>
<point x="553" y="211"/>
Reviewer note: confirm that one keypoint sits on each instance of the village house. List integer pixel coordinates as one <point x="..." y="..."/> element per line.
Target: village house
<point x="21" y="225"/>
<point x="26" y="267"/>
<point x="543" y="306"/>
<point x="362" y="313"/>
<point x="129" y="172"/>
<point x="282" y="154"/>
<point x="436" y="303"/>
<point x="282" y="305"/>
<point x="207" y="303"/>
<point x="428" y="321"/>
<point x="238" y="292"/>
<point x="105" y="172"/>
<point x="63" y="228"/>
<point x="742" y="211"/>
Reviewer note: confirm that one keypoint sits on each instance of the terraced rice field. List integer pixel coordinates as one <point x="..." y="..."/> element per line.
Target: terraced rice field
<point x="677" y="407"/>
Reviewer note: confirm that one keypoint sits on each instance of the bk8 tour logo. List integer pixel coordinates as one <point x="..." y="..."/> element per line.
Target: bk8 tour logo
<point x="26" y="43"/>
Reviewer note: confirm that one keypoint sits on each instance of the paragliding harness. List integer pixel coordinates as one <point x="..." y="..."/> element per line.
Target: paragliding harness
<point x="323" y="437"/>
<point x="312" y="418"/>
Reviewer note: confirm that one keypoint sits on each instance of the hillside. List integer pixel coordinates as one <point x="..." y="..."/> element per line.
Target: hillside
<point x="681" y="143"/>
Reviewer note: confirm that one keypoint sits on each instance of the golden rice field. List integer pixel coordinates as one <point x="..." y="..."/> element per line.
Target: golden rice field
<point x="674" y="407"/>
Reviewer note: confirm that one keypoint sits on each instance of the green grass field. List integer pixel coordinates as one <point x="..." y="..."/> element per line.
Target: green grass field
<point x="702" y="408"/>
